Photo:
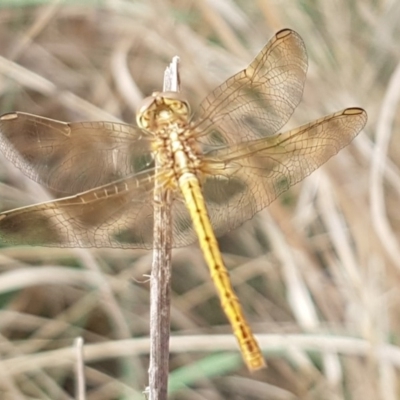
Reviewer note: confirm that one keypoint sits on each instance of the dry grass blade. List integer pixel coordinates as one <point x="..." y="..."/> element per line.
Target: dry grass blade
<point x="325" y="286"/>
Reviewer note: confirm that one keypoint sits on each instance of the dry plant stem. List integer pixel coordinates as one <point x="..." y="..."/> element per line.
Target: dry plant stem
<point x="161" y="274"/>
<point x="79" y="371"/>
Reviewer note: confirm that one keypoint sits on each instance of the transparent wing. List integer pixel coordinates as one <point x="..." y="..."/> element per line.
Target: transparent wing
<point x="70" y="158"/>
<point x="114" y="215"/>
<point x="117" y="215"/>
<point x="259" y="100"/>
<point x="241" y="181"/>
<point x="246" y="178"/>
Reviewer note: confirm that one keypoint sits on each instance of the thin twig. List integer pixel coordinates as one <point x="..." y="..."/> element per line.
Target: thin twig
<point x="79" y="370"/>
<point x="161" y="274"/>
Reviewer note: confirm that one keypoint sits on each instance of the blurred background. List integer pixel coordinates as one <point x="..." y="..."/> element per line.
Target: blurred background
<point x="317" y="272"/>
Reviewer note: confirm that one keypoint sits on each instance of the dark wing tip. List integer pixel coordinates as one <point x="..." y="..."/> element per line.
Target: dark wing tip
<point x="355" y="111"/>
<point x="359" y="112"/>
<point x="284" y="32"/>
<point x="9" y="116"/>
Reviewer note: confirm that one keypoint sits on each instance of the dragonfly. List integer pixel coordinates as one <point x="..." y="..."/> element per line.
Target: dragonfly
<point x="223" y="164"/>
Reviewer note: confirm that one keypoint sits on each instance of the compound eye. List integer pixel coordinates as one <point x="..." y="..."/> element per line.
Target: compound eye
<point x="181" y="107"/>
<point x="143" y="119"/>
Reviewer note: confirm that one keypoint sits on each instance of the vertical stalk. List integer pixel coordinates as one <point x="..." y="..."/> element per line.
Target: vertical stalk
<point x="160" y="280"/>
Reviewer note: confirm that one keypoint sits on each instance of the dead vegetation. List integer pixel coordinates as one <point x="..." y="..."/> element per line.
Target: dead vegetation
<point x="317" y="272"/>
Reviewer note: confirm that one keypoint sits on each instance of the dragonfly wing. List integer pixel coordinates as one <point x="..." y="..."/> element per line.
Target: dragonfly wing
<point x="69" y="158"/>
<point x="117" y="215"/>
<point x="247" y="177"/>
<point x="259" y="100"/>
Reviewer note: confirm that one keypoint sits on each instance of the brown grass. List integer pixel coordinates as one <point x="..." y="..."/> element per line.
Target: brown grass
<point x="317" y="272"/>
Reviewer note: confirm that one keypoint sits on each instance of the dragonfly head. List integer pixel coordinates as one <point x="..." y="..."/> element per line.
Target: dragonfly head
<point x="160" y="109"/>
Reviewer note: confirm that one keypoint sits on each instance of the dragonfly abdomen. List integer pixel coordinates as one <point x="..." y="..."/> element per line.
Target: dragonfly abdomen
<point x="190" y="188"/>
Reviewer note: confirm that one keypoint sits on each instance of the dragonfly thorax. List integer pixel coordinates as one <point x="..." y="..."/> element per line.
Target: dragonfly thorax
<point x="162" y="109"/>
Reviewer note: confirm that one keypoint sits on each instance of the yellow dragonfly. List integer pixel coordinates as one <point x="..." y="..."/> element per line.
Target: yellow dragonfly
<point x="223" y="165"/>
